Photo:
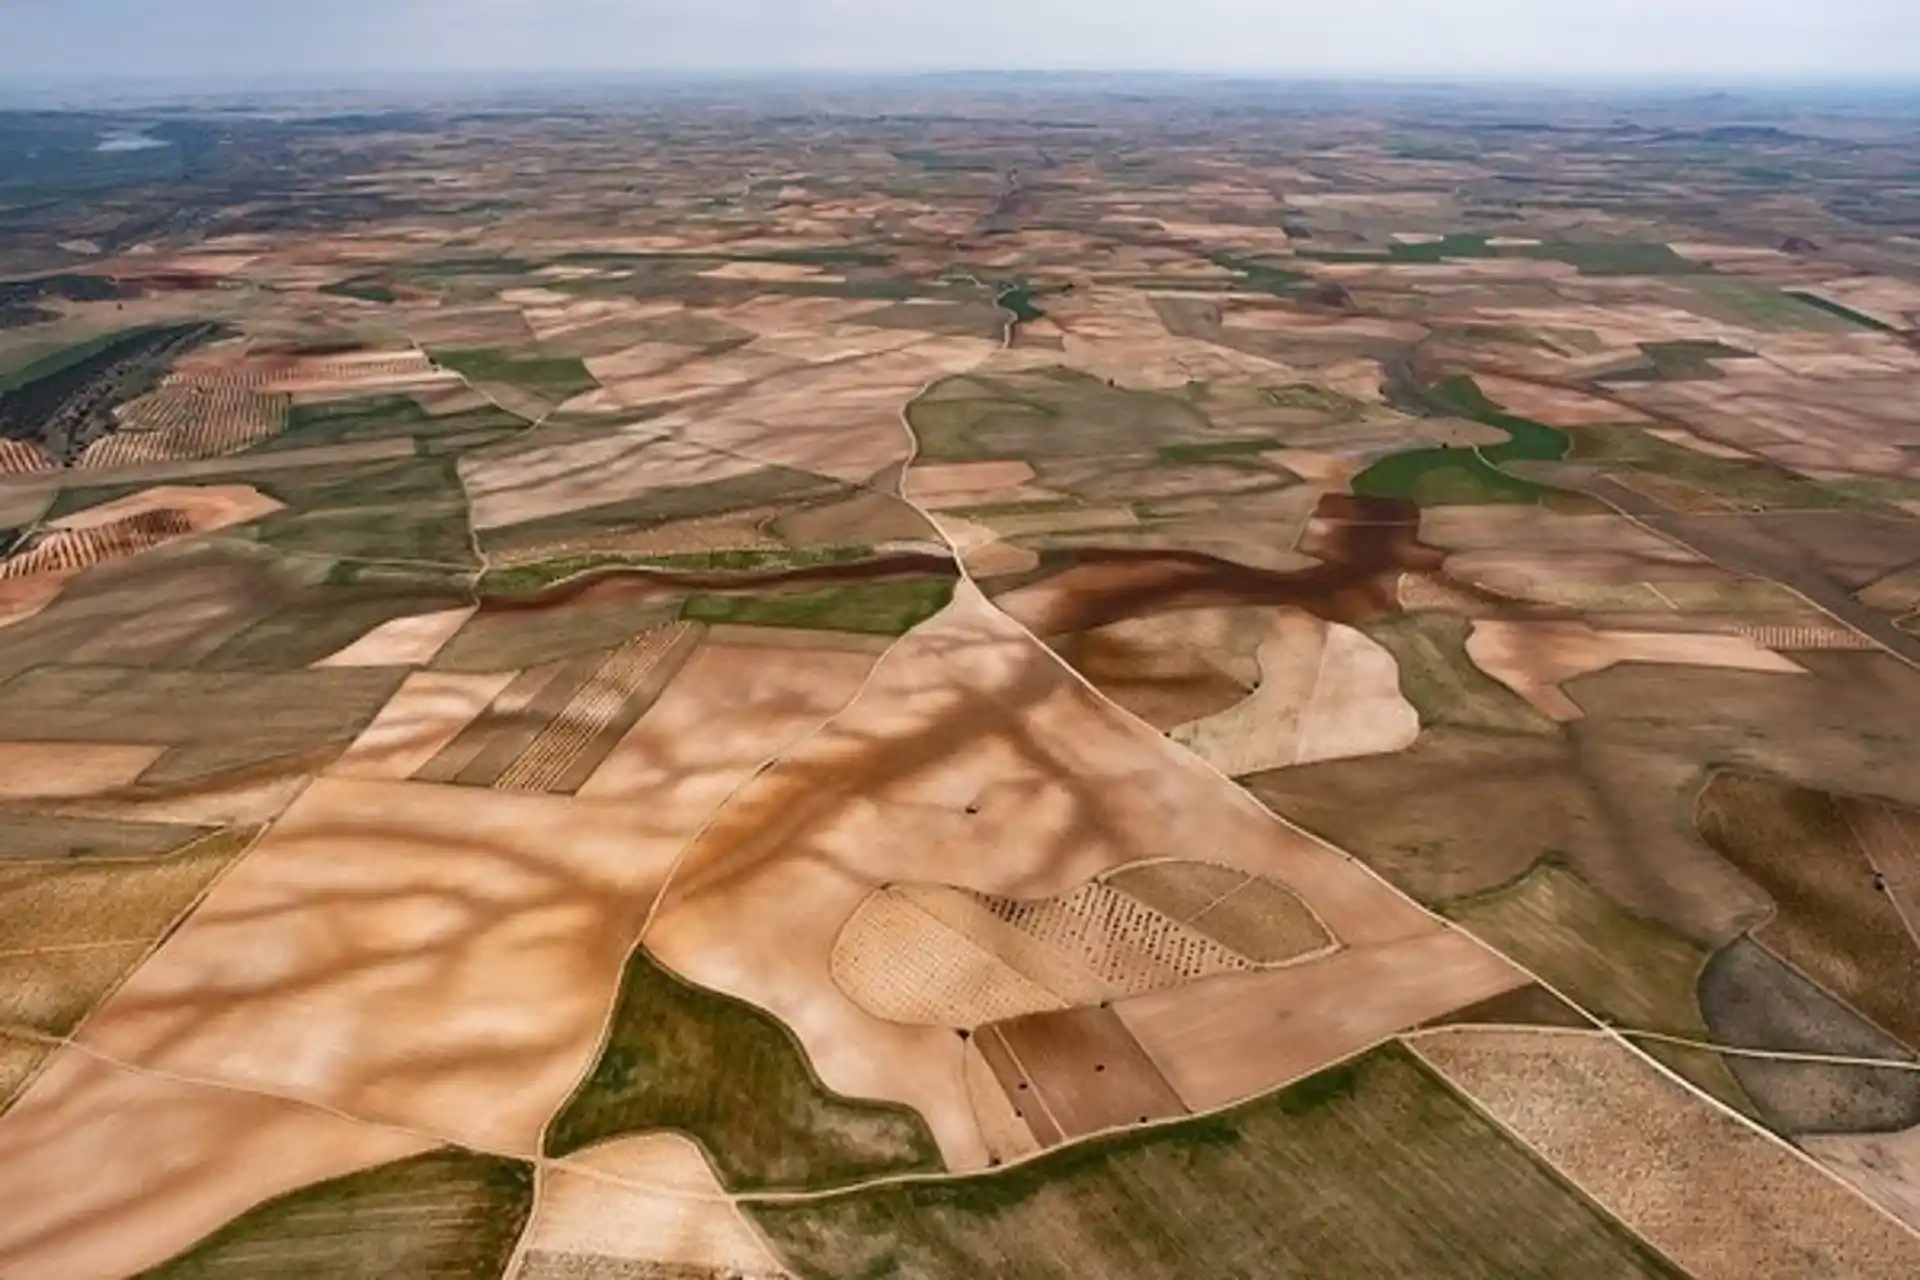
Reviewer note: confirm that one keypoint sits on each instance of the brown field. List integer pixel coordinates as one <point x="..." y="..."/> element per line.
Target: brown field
<point x="570" y="746"/>
<point x="348" y="961"/>
<point x="1242" y="1035"/>
<point x="1554" y="406"/>
<point x="1830" y="920"/>
<point x="63" y="770"/>
<point x="1174" y="668"/>
<point x="969" y="735"/>
<point x="431" y="710"/>
<point x="165" y="1161"/>
<point x="639" y="1206"/>
<point x="1890" y="837"/>
<point x="933" y="955"/>
<point x="403" y="642"/>
<point x="1326" y="692"/>
<point x="945" y="486"/>
<point x="1719" y="1198"/>
<point x="1535" y="658"/>
<point x="125" y="527"/>
<point x="1076" y="1072"/>
<point x="554" y="471"/>
<point x="1885" y="1168"/>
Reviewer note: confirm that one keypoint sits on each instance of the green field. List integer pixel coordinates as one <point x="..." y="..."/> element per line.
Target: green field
<point x="556" y="377"/>
<point x="1731" y="481"/>
<point x="733" y="1079"/>
<point x="1447" y="476"/>
<point x="867" y="608"/>
<point x="1370" y="1169"/>
<point x="1443" y="683"/>
<point x="448" y="1215"/>
<point x="406" y="509"/>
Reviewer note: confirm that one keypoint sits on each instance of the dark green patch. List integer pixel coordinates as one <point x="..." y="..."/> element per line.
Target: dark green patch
<point x="363" y="288"/>
<point x="1846" y="313"/>
<point x="732" y="1078"/>
<point x="1447" y="476"/>
<point x="447" y="1215"/>
<point x="556" y="377"/>
<point x="864" y="608"/>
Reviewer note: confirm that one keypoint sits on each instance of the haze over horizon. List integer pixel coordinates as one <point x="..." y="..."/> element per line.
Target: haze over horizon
<point x="53" y="40"/>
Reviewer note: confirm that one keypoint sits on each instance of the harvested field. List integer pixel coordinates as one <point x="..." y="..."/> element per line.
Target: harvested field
<point x="203" y="1156"/>
<point x="1461" y="812"/>
<point x="1326" y="692"/>
<point x="570" y="746"/>
<point x="1552" y="405"/>
<point x="439" y="1216"/>
<point x="212" y="722"/>
<point x="428" y="713"/>
<point x="1830" y="921"/>
<point x="1076" y="1072"/>
<point x="1535" y="659"/>
<point x="1890" y="836"/>
<point x="1017" y="784"/>
<point x="73" y="931"/>
<point x="666" y="1215"/>
<point x="1241" y="1035"/>
<point x="901" y="962"/>
<point x="404" y="642"/>
<point x="63" y="770"/>
<point x="555" y="472"/>
<point x="393" y="966"/>
<point x="500" y="638"/>
<point x="732" y="1079"/>
<point x="1883" y="1167"/>
<point x="1372" y="1168"/>
<point x="937" y="956"/>
<point x="1752" y="1001"/>
<point x="1717" y="1197"/>
<point x="30" y="836"/>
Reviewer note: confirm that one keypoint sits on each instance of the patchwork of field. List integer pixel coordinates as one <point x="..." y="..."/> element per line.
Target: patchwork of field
<point x="1027" y="682"/>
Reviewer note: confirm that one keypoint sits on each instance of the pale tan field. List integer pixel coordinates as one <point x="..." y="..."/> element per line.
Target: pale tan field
<point x="1014" y="781"/>
<point x="539" y="475"/>
<point x="1537" y="529"/>
<point x="1891" y="301"/>
<point x="403" y="642"/>
<point x="1535" y="658"/>
<point x="1843" y="410"/>
<point x="164" y="1162"/>
<point x="1884" y="1166"/>
<point x="427" y="714"/>
<point x="942" y="487"/>
<point x="351" y="959"/>
<point x="730" y="709"/>
<point x="1719" y="1198"/>
<point x="773" y="272"/>
<point x="900" y="961"/>
<point x="1234" y="1037"/>
<point x="1553" y="405"/>
<point x="1326" y="692"/>
<point x="63" y="770"/>
<point x="839" y="414"/>
<point x="641" y="360"/>
<point x="650" y="1199"/>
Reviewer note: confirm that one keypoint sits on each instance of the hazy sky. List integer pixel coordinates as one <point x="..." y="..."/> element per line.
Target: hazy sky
<point x="1720" y="38"/>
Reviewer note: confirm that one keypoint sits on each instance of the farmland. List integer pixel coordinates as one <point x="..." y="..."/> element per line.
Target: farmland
<point x="957" y="677"/>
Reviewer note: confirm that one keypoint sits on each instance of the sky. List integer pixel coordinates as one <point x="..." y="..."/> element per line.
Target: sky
<point x="1508" y="39"/>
